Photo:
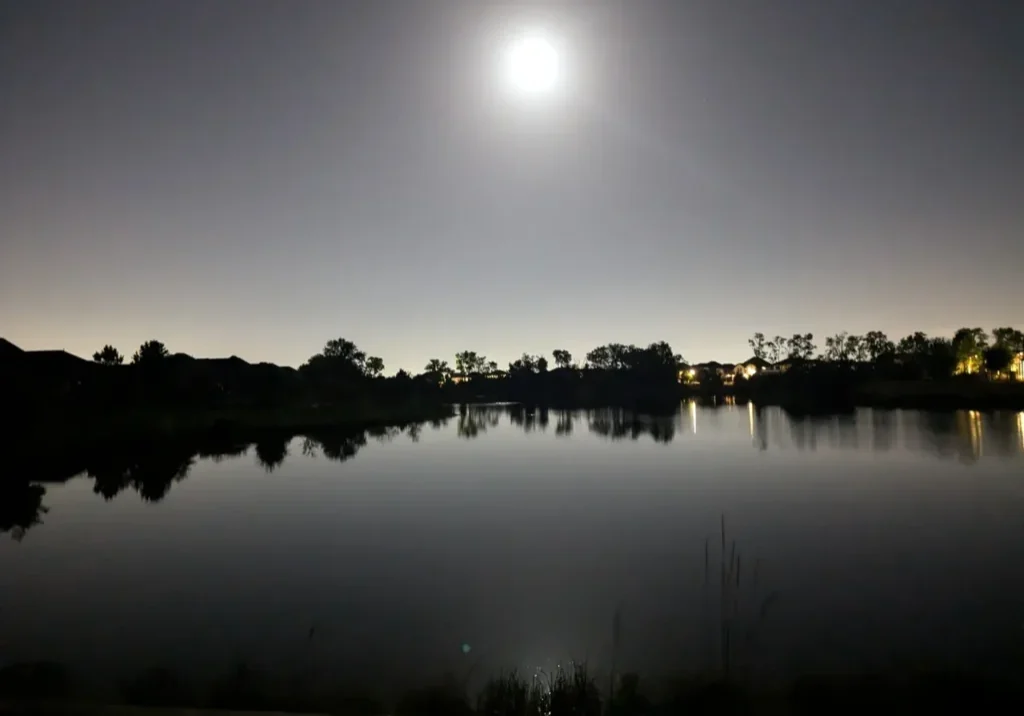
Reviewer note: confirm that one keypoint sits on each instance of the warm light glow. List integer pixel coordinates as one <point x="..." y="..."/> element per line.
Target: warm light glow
<point x="975" y="432"/>
<point x="533" y="65"/>
<point x="750" y="370"/>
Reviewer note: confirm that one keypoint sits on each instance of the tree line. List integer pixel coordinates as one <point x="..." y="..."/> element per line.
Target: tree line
<point x="970" y="348"/>
<point x="655" y="358"/>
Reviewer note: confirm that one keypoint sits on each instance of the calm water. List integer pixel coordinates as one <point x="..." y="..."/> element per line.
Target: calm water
<point x="864" y="540"/>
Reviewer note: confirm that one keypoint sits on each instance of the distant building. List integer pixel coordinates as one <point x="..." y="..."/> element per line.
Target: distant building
<point x="728" y="372"/>
<point x="9" y="351"/>
<point x="752" y="366"/>
<point x="789" y="363"/>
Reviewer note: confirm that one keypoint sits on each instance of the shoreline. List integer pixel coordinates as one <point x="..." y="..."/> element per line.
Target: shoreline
<point x="574" y="690"/>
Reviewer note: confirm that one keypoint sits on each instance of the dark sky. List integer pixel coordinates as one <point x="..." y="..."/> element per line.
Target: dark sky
<point x="254" y="177"/>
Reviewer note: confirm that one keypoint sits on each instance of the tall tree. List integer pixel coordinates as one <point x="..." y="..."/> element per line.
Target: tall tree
<point x="940" y="358"/>
<point x="436" y="365"/>
<point x="997" y="358"/>
<point x="528" y="364"/>
<point x="855" y="348"/>
<point x="340" y="360"/>
<point x="341" y="349"/>
<point x="661" y="355"/>
<point x="466" y="362"/>
<point x="619" y="355"/>
<point x="837" y="348"/>
<point x="1009" y="338"/>
<point x="780" y="346"/>
<point x="776" y="349"/>
<point x="150" y="353"/>
<point x="877" y="344"/>
<point x="916" y="344"/>
<point x="437" y="370"/>
<point x="599" y="358"/>
<point x="759" y="346"/>
<point x="563" y="358"/>
<point x="801" y="346"/>
<point x="373" y="366"/>
<point x="108" y="355"/>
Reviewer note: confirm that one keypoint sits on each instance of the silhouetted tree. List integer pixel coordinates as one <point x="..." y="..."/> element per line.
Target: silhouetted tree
<point x="940" y="360"/>
<point x="468" y="362"/>
<point x="855" y="348"/>
<point x="345" y="350"/>
<point x="1009" y="338"/>
<point x="338" y="365"/>
<point x="997" y="359"/>
<point x="620" y="354"/>
<point x="877" y="344"/>
<point x="437" y="370"/>
<point x="916" y="344"/>
<point x="563" y="358"/>
<point x="801" y="346"/>
<point x="838" y="347"/>
<point x="775" y="349"/>
<point x="374" y="366"/>
<point x="150" y="353"/>
<point x="758" y="345"/>
<point x="528" y="364"/>
<point x="436" y="365"/>
<point x="599" y="358"/>
<point x="492" y="366"/>
<point x="658" y="356"/>
<point x="108" y="355"/>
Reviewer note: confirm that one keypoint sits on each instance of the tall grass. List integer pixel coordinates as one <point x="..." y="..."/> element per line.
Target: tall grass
<point x="731" y="598"/>
<point x="565" y="692"/>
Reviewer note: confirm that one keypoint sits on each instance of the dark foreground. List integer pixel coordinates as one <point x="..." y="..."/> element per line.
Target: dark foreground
<point x="573" y="690"/>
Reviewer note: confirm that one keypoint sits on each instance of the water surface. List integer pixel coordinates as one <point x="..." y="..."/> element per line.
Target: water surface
<point x="863" y="540"/>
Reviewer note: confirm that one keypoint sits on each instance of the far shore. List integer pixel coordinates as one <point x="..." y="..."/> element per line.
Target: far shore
<point x="76" y="429"/>
<point x="82" y="428"/>
<point x="952" y="394"/>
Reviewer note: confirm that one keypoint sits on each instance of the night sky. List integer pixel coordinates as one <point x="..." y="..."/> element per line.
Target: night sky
<point x="255" y="178"/>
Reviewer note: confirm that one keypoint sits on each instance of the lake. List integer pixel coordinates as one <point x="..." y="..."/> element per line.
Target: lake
<point x="507" y="537"/>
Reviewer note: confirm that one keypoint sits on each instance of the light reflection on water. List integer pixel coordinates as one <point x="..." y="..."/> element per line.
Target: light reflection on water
<point x="520" y="531"/>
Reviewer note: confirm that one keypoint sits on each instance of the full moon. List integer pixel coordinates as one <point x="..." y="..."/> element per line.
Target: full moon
<point x="532" y="65"/>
